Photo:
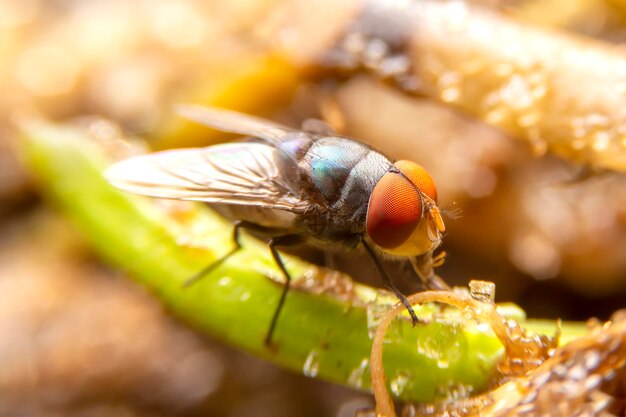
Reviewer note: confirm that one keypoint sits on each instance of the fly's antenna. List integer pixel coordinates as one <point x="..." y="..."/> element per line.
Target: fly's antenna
<point x="452" y="211"/>
<point x="434" y="215"/>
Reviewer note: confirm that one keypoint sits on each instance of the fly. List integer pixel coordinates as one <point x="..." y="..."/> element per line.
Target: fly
<point x="296" y="186"/>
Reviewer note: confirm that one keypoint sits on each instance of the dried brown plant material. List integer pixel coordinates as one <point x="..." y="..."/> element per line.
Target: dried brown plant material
<point x="586" y="377"/>
<point x="523" y="352"/>
<point x="557" y="91"/>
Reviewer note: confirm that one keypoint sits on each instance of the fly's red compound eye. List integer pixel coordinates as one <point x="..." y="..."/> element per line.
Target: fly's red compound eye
<point x="394" y="211"/>
<point x="418" y="176"/>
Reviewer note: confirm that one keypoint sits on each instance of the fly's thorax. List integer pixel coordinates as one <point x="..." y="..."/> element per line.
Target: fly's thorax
<point x="329" y="163"/>
<point x="402" y="214"/>
<point x="338" y="177"/>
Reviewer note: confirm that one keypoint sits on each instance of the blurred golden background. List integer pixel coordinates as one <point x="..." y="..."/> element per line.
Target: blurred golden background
<point x="77" y="338"/>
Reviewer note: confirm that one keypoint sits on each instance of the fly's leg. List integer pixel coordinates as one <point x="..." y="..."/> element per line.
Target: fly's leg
<point x="329" y="260"/>
<point x="238" y="226"/>
<point x="439" y="259"/>
<point x="388" y="284"/>
<point x="424" y="267"/>
<point x="272" y="243"/>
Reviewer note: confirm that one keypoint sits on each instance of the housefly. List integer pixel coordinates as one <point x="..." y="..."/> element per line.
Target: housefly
<point x="296" y="186"/>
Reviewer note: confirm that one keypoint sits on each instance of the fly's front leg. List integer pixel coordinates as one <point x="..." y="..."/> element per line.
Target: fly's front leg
<point x="286" y="240"/>
<point x="388" y="283"/>
<point x="424" y="266"/>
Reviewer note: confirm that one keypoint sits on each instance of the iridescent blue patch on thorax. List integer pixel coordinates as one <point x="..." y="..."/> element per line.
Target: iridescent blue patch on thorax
<point x="330" y="161"/>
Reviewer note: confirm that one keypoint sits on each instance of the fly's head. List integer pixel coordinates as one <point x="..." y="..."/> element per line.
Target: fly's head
<point x="402" y="217"/>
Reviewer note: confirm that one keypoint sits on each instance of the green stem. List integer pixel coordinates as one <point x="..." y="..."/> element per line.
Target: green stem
<point x="321" y="335"/>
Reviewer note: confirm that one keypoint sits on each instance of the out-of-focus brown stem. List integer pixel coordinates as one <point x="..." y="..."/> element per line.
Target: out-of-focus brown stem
<point x="556" y="13"/>
<point x="558" y="91"/>
<point x="621" y="4"/>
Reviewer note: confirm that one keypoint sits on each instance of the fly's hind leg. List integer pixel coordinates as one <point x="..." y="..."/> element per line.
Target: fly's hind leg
<point x="238" y="226"/>
<point x="272" y="243"/>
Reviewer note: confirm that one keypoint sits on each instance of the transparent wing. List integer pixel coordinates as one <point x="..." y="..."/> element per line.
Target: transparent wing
<point x="236" y="173"/>
<point x="233" y="122"/>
